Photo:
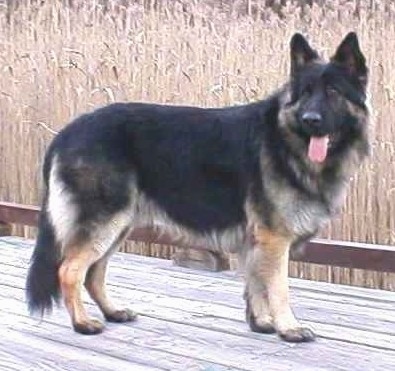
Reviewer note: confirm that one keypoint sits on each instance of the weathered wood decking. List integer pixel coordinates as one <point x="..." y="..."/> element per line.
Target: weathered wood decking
<point x="192" y="320"/>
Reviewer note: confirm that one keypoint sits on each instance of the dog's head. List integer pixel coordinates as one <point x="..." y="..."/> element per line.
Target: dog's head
<point x="324" y="109"/>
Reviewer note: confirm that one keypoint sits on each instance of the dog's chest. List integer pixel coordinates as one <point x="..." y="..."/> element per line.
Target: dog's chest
<point x="302" y="216"/>
<point x="298" y="213"/>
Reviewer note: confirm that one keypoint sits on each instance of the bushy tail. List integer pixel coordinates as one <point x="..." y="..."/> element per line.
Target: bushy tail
<point x="42" y="285"/>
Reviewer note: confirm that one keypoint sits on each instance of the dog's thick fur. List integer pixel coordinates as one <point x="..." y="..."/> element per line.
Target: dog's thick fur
<point x="239" y="179"/>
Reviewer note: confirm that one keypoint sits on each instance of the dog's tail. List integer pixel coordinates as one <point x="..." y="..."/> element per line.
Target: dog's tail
<point x="42" y="284"/>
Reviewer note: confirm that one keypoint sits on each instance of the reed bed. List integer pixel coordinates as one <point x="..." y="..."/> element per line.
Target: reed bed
<point x="59" y="60"/>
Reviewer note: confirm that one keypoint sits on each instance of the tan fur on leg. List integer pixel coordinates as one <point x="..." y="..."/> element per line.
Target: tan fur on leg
<point x="272" y="251"/>
<point x="270" y="258"/>
<point x="72" y="274"/>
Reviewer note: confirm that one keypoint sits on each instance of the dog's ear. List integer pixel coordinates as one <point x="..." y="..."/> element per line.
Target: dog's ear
<point x="349" y="56"/>
<point x="301" y="53"/>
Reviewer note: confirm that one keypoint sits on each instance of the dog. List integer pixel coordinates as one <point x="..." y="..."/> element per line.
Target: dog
<point x="255" y="179"/>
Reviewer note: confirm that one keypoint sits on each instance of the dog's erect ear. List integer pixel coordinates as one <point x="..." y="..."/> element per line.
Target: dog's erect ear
<point x="349" y="56"/>
<point x="301" y="53"/>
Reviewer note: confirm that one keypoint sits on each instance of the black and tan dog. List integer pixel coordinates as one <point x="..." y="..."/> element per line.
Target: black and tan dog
<point x="276" y="169"/>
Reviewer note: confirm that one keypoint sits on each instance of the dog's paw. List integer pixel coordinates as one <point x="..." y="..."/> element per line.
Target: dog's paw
<point x="298" y="335"/>
<point x="89" y="327"/>
<point x="120" y="316"/>
<point x="258" y="325"/>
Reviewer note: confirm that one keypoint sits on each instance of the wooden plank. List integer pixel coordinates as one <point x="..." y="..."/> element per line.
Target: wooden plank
<point x="207" y="345"/>
<point x="231" y="321"/>
<point x="160" y="343"/>
<point x="229" y="304"/>
<point x="203" y="340"/>
<point x="142" y="278"/>
<point x="24" y="351"/>
<point x="197" y="327"/>
<point x="373" y="328"/>
<point x="135" y="351"/>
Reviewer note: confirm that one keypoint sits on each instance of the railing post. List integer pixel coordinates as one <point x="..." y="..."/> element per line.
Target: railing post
<point x="5" y="229"/>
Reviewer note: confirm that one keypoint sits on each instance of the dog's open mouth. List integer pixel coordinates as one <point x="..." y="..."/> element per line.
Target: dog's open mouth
<point x="318" y="148"/>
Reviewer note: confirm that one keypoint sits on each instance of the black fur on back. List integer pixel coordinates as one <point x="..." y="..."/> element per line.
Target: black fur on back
<point x="196" y="164"/>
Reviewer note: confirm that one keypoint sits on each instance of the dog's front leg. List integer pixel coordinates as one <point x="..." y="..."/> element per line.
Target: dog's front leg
<point x="268" y="265"/>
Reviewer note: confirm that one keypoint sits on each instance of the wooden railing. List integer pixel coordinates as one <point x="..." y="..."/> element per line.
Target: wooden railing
<point x="335" y="253"/>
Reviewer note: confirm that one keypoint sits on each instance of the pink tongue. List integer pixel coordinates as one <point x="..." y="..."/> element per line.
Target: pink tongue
<point x="318" y="148"/>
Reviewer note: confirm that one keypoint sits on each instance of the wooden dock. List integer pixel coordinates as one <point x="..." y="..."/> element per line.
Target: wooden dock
<point x="192" y="320"/>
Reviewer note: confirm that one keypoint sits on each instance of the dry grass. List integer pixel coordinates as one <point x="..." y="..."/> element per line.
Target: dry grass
<point x="56" y="63"/>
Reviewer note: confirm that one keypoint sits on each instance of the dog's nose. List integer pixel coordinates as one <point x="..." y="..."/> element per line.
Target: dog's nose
<point x="312" y="118"/>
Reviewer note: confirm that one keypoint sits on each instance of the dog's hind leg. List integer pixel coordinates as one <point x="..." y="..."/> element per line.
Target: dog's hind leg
<point x="77" y="260"/>
<point x="95" y="284"/>
<point x="267" y="267"/>
<point x="85" y="262"/>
